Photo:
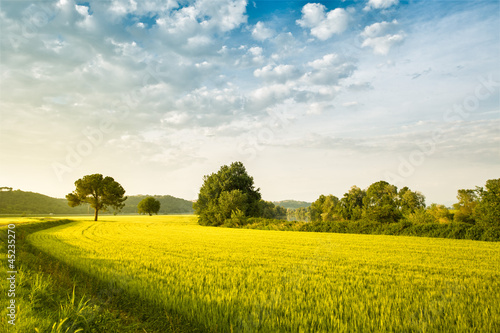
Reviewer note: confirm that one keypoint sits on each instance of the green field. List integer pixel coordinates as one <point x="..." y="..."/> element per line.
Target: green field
<point x="240" y="280"/>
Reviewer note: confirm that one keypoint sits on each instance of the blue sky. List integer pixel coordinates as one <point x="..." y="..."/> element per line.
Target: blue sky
<point x="313" y="97"/>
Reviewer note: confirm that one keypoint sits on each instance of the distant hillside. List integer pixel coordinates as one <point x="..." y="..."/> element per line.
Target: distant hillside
<point x="168" y="204"/>
<point x="292" y="204"/>
<point x="20" y="202"/>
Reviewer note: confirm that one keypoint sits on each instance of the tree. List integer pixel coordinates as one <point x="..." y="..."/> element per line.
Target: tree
<point x="149" y="206"/>
<point x="440" y="213"/>
<point x="467" y="201"/>
<point x="216" y="198"/>
<point x="487" y="210"/>
<point x="99" y="192"/>
<point x="229" y="203"/>
<point x="380" y="202"/>
<point x="409" y="201"/>
<point x="329" y="208"/>
<point x="269" y="210"/>
<point x="351" y="204"/>
<point x="317" y="208"/>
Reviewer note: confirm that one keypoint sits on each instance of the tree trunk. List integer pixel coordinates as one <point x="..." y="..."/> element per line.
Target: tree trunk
<point x="95" y="215"/>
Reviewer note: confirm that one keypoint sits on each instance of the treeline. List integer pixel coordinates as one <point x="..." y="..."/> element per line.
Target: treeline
<point x="229" y="198"/>
<point x="382" y="202"/>
<point x="454" y="230"/>
<point x="382" y="209"/>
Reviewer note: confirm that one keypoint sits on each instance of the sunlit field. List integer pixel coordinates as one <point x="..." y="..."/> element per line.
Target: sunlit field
<point x="241" y="280"/>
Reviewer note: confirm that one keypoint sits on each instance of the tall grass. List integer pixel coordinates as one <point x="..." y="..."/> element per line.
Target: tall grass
<point x="238" y="280"/>
<point x="54" y="297"/>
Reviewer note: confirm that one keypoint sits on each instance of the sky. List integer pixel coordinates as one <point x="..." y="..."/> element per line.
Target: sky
<point x="312" y="97"/>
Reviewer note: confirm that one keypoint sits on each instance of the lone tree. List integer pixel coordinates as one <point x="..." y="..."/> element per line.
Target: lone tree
<point x="149" y="206"/>
<point x="98" y="191"/>
<point x="228" y="192"/>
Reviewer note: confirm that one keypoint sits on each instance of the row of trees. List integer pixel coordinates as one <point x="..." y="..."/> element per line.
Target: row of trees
<point x="479" y="206"/>
<point x="380" y="202"/>
<point x="229" y="197"/>
<point x="383" y="202"/>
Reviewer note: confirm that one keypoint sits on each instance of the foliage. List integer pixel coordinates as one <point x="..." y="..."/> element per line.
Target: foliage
<point x="467" y="201"/>
<point x="229" y="189"/>
<point x="99" y="192"/>
<point x="421" y="216"/>
<point x="440" y="213"/>
<point x="405" y="227"/>
<point x="409" y="202"/>
<point x="269" y="210"/>
<point x="258" y="281"/>
<point x="299" y="214"/>
<point x="487" y="210"/>
<point x="481" y="206"/>
<point x="351" y="204"/>
<point x="380" y="202"/>
<point x="149" y="206"/>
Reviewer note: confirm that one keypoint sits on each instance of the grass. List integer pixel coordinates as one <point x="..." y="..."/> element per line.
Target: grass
<point x="55" y="297"/>
<point x="240" y="280"/>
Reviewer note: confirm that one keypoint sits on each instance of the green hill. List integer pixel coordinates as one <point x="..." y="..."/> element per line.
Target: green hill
<point x="168" y="204"/>
<point x="292" y="204"/>
<point x="21" y="202"/>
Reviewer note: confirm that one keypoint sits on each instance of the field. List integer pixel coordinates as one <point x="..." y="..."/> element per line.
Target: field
<point x="251" y="280"/>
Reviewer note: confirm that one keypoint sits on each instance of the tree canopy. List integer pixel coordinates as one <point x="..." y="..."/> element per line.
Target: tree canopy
<point x="99" y="192"/>
<point x="380" y="202"/>
<point x="228" y="192"/>
<point x="149" y="206"/>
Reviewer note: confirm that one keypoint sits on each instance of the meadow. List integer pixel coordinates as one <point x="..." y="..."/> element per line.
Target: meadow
<point x="240" y="280"/>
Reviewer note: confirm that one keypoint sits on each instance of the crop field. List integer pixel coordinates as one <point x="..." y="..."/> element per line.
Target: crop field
<point x="241" y="280"/>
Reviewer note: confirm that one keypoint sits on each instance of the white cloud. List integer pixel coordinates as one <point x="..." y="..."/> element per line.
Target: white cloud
<point x="255" y="53"/>
<point x="82" y="10"/>
<point x="323" y="25"/>
<point x="381" y="4"/>
<point x="328" y="70"/>
<point x="261" y="33"/>
<point x="280" y="73"/>
<point x="381" y="36"/>
<point x="312" y="15"/>
<point x="382" y="45"/>
<point x="327" y="61"/>
<point x="226" y="15"/>
<point x="378" y="29"/>
<point x="350" y="104"/>
<point x="175" y="118"/>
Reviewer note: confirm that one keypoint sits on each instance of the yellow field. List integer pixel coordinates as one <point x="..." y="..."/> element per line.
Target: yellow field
<point x="253" y="280"/>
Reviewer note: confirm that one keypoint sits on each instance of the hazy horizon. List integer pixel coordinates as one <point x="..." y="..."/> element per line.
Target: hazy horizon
<point x="313" y="97"/>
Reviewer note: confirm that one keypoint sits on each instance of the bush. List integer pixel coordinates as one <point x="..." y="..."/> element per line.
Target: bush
<point x="404" y="228"/>
<point x="475" y="232"/>
<point x="491" y="234"/>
